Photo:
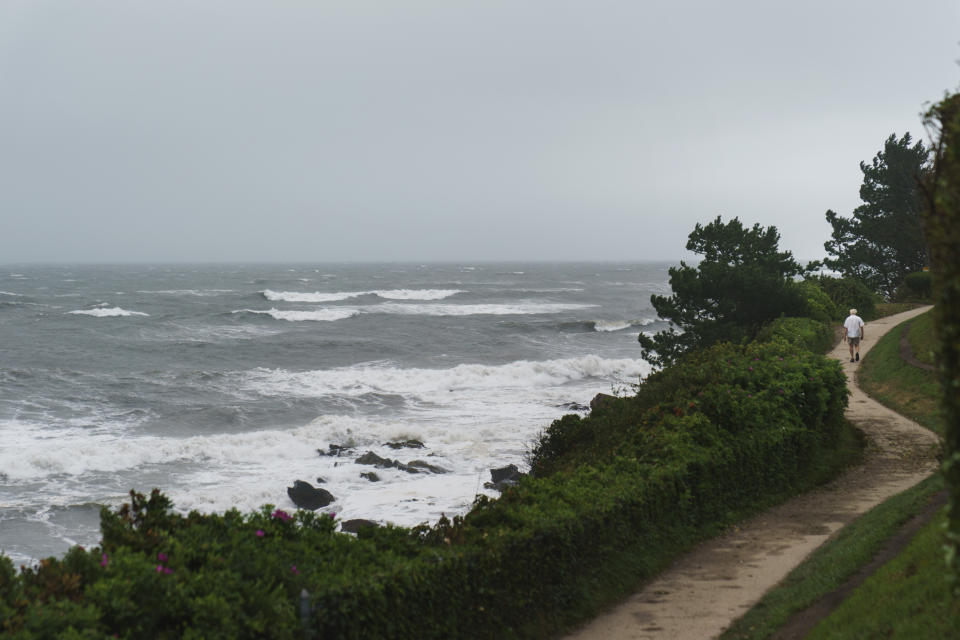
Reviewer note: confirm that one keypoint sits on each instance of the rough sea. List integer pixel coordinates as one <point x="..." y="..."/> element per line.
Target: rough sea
<point x="219" y="383"/>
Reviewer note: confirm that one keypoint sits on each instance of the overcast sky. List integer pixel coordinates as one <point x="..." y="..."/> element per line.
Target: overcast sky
<point x="446" y="130"/>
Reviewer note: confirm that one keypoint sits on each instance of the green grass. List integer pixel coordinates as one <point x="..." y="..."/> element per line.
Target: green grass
<point x="912" y="392"/>
<point x="885" y="309"/>
<point x="922" y="339"/>
<point x="906" y="389"/>
<point x="907" y="598"/>
<point x="827" y="568"/>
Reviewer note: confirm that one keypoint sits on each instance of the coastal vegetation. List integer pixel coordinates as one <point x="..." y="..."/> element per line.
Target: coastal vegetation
<point x="942" y="220"/>
<point x="743" y="282"/>
<point x="882" y="242"/>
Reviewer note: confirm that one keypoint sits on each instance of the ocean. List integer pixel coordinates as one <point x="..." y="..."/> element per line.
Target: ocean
<point x="218" y="384"/>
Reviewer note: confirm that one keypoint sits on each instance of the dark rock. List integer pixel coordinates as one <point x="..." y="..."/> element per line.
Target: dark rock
<point x="574" y="406"/>
<point x="321" y="480"/>
<point x="306" y="496"/>
<point x="503" y="477"/>
<point x="509" y="472"/>
<point x="601" y="400"/>
<point x="336" y="450"/>
<point x="371" y="476"/>
<point x="373" y="459"/>
<point x="383" y="463"/>
<point x="417" y="466"/>
<point x="405" y="444"/>
<point x="354" y="526"/>
<point x="426" y="466"/>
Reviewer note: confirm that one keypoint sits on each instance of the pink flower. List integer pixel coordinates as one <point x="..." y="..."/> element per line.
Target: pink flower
<point x="159" y="568"/>
<point x="332" y="514"/>
<point x="104" y="560"/>
<point x="167" y="570"/>
<point x="260" y="533"/>
<point x="282" y="515"/>
<point x="294" y="570"/>
<point x="162" y="557"/>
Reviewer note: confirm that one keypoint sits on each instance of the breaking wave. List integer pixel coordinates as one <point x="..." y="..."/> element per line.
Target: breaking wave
<point x="388" y="294"/>
<point x="107" y="312"/>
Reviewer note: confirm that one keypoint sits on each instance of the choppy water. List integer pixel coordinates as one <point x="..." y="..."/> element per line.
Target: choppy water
<point x="219" y="383"/>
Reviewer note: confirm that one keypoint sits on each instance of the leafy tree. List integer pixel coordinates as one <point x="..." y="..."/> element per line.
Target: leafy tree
<point x="883" y="241"/>
<point x="742" y="282"/>
<point x="942" y="215"/>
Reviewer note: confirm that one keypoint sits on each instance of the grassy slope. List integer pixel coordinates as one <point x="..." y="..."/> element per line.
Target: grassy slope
<point x="906" y="389"/>
<point x="912" y="392"/>
<point x="907" y="598"/>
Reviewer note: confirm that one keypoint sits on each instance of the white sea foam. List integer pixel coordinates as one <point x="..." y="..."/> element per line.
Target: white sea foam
<point x="293" y="296"/>
<point x="319" y="315"/>
<point x="436" y="385"/>
<point x="472" y="418"/>
<point x="390" y="294"/>
<point x="330" y="314"/>
<point x="620" y="325"/>
<point x="107" y="312"/>
<point x="9" y="293"/>
<point x="202" y="293"/>
<point x="520" y="308"/>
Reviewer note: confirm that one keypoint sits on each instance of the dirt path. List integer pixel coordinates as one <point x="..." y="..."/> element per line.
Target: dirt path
<point x="698" y="596"/>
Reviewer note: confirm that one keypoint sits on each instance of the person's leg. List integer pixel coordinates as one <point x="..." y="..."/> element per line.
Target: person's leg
<point x="850" y="344"/>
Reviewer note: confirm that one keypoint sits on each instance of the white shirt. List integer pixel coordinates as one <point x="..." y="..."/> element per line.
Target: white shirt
<point x="853" y="325"/>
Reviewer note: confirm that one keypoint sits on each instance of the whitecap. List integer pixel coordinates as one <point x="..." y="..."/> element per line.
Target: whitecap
<point x="620" y="325"/>
<point x="528" y="308"/>
<point x="319" y="315"/>
<point x="203" y="293"/>
<point x="107" y="312"/>
<point x="436" y="385"/>
<point x="390" y="294"/>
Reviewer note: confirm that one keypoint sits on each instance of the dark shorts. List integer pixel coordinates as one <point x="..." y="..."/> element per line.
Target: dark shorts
<point x="854" y="342"/>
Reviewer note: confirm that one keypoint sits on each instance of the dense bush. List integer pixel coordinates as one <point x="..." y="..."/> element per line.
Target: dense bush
<point x="804" y="333"/>
<point x="847" y="293"/>
<point x="817" y="305"/>
<point x="916" y="286"/>
<point x="942" y="224"/>
<point x="612" y="497"/>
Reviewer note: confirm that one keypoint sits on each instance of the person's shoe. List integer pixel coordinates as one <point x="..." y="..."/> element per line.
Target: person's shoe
<point x="851" y="359"/>
<point x="858" y="356"/>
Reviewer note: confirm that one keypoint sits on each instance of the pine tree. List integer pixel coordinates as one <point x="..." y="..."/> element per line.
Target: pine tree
<point x="883" y="241"/>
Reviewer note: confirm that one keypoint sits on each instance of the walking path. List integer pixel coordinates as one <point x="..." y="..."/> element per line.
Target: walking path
<point x="705" y="590"/>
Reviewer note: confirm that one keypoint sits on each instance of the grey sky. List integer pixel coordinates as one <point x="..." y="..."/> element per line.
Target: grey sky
<point x="446" y="130"/>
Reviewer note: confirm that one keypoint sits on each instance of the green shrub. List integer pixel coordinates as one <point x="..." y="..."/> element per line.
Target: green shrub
<point x="804" y="333"/>
<point x="849" y="293"/>
<point x="817" y="304"/>
<point x="916" y="286"/>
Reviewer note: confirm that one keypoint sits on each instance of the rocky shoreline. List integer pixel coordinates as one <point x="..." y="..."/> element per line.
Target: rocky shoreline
<point x="306" y="496"/>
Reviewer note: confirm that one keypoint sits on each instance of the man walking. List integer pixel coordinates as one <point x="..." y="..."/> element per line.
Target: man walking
<point x="853" y="334"/>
